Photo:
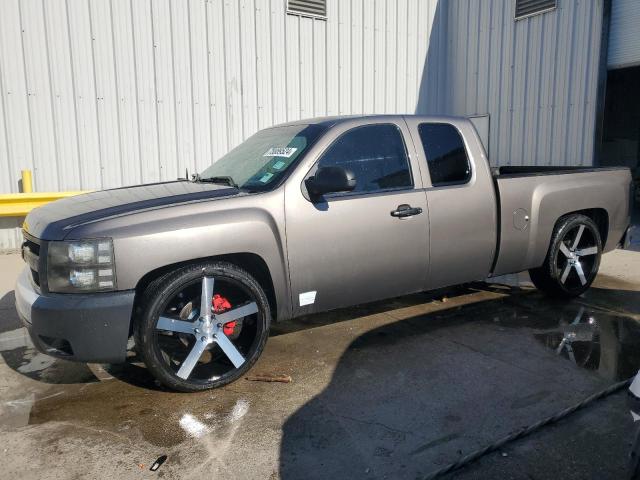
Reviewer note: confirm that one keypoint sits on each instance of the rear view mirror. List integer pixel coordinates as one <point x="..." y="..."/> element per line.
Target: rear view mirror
<point x="331" y="180"/>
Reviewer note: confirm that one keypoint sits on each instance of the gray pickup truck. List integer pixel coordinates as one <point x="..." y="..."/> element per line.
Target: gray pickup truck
<point x="302" y="218"/>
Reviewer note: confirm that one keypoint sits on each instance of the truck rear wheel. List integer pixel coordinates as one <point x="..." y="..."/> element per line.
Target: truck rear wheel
<point x="202" y="326"/>
<point x="573" y="258"/>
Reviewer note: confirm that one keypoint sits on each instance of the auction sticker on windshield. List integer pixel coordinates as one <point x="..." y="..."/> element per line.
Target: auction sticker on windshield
<point x="280" y="152"/>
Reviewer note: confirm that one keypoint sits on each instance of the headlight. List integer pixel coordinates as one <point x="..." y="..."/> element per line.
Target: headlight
<point x="81" y="266"/>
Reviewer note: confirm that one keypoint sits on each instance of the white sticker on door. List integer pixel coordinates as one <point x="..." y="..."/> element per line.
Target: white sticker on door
<point x="280" y="152"/>
<point x="307" y="298"/>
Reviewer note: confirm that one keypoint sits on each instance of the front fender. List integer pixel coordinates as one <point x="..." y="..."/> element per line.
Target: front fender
<point x="146" y="241"/>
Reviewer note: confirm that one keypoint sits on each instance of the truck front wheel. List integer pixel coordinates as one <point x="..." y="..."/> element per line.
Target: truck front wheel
<point x="202" y="326"/>
<point x="573" y="258"/>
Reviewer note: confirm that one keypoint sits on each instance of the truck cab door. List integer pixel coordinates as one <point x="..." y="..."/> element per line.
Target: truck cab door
<point x="461" y="198"/>
<point x="354" y="247"/>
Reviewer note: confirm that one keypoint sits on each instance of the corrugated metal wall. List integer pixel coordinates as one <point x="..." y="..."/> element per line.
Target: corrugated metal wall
<point x="536" y="78"/>
<point x="104" y="93"/>
<point x="624" y="34"/>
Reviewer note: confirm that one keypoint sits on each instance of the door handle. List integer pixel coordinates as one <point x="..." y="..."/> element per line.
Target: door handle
<point x="405" y="210"/>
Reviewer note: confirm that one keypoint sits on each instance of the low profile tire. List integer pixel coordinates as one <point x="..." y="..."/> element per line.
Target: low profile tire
<point x="573" y="259"/>
<point x="202" y="326"/>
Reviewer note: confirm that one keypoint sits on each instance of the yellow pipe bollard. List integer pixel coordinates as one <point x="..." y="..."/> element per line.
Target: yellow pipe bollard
<point x="27" y="184"/>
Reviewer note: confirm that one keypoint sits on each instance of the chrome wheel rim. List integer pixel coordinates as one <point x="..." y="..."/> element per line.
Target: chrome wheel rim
<point x="577" y="258"/>
<point x="190" y="336"/>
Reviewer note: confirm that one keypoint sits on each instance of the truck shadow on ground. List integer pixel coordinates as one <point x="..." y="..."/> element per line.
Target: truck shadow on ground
<point x="412" y="396"/>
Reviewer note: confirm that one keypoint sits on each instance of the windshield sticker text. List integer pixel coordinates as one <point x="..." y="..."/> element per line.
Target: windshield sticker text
<point x="280" y="152"/>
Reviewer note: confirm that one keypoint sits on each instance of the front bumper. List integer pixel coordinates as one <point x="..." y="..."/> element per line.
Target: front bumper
<point x="90" y="328"/>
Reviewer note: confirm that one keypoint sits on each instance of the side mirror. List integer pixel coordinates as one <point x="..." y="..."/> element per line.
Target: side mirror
<point x="331" y="180"/>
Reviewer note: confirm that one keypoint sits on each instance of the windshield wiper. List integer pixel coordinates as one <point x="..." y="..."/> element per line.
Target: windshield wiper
<point x="222" y="180"/>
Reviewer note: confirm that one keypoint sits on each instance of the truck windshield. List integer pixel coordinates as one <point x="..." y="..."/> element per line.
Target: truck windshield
<point x="260" y="162"/>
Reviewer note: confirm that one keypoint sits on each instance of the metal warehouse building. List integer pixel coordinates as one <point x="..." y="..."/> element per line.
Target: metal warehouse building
<point x="104" y="93"/>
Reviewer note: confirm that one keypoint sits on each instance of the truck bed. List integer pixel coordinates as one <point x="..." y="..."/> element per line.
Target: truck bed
<point x="532" y="199"/>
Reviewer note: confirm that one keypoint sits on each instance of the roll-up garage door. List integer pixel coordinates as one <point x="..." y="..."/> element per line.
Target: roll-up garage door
<point x="624" y="34"/>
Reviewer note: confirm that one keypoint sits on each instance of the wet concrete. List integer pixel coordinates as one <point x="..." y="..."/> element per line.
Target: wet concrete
<point x="394" y="389"/>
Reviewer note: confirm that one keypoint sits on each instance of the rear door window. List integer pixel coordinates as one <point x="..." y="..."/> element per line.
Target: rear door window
<point x="376" y="154"/>
<point x="446" y="154"/>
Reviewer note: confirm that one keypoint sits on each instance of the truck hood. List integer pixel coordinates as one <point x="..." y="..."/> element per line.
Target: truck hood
<point x="54" y="220"/>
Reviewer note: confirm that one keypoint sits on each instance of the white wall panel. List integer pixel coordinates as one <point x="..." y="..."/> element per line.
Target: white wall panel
<point x="103" y="93"/>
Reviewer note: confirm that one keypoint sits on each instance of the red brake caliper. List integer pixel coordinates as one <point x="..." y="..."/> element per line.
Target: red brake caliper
<point x="220" y="305"/>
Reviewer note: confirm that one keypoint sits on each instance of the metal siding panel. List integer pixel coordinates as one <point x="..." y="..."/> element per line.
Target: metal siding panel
<point x="80" y="40"/>
<point x="233" y="73"/>
<point x="293" y="67"/>
<point x="401" y="57"/>
<point x="39" y="96"/>
<point x="344" y="57"/>
<point x="471" y="77"/>
<point x="164" y="74"/>
<point x="483" y="60"/>
<point x="501" y="153"/>
<point x="144" y="58"/>
<point x="565" y="44"/>
<point x="333" y="75"/>
<point x="62" y="95"/>
<point x="368" y="57"/>
<point x="518" y="91"/>
<point x="278" y="55"/>
<point x="495" y="80"/>
<point x="200" y="83"/>
<point x="263" y="64"/>
<point x="532" y="93"/>
<point x="106" y="93"/>
<point x="221" y="92"/>
<point x="624" y="34"/>
<point x="380" y="55"/>
<point x="127" y="92"/>
<point x="320" y="68"/>
<point x="182" y="81"/>
<point x="306" y="62"/>
<point x="545" y="88"/>
<point x="248" y="86"/>
<point x="391" y="60"/>
<point x="355" y="39"/>
<point x="411" y="83"/>
<point x="458" y="78"/>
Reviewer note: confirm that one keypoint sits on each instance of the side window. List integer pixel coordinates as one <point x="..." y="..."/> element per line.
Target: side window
<point x="376" y="155"/>
<point x="445" y="152"/>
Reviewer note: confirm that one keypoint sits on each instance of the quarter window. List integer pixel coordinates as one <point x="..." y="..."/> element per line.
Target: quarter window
<point x="446" y="154"/>
<point x="376" y="155"/>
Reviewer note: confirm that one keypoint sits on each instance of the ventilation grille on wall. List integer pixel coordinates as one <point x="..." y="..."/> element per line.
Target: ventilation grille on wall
<point x="316" y="8"/>
<point x="524" y="8"/>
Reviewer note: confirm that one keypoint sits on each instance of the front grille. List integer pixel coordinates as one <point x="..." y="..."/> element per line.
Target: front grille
<point x="31" y="256"/>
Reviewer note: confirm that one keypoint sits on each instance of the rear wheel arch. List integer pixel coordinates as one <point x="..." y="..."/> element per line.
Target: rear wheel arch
<point x="599" y="215"/>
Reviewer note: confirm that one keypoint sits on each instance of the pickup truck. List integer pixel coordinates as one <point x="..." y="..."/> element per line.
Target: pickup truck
<point x="301" y="218"/>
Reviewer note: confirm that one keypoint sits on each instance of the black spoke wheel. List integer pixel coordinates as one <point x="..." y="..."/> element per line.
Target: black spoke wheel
<point x="572" y="263"/>
<point x="202" y="326"/>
